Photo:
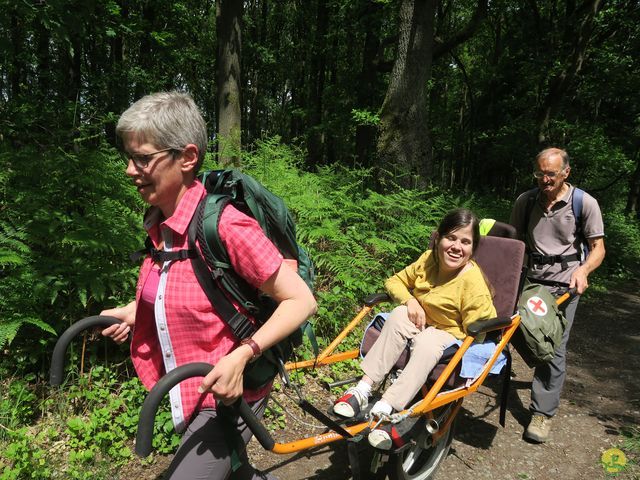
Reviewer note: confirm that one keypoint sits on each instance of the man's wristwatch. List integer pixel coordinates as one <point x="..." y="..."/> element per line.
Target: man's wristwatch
<point x="255" y="348"/>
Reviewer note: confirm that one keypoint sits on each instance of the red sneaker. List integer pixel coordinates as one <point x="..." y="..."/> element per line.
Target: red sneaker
<point x="396" y="435"/>
<point x="351" y="403"/>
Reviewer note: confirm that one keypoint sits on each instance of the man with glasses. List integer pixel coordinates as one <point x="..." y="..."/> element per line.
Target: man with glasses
<point x="546" y="221"/>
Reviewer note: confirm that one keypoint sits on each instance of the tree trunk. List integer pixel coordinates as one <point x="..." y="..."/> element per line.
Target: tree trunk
<point x="254" y="83"/>
<point x="633" y="199"/>
<point x="317" y="76"/>
<point x="229" y="32"/>
<point x="365" y="134"/>
<point x="559" y="85"/>
<point x="404" y="145"/>
<point x="15" y="69"/>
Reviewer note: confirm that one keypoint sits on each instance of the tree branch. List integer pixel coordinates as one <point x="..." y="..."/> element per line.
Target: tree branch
<point x="442" y="47"/>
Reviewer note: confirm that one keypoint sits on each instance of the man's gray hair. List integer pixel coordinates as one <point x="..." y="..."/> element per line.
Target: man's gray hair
<point x="547" y="152"/>
<point x="166" y="119"/>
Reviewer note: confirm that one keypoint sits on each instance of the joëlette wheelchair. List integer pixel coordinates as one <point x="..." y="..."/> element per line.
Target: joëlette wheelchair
<point x="501" y="260"/>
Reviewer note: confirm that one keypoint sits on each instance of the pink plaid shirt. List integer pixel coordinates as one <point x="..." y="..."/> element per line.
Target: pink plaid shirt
<point x="181" y="326"/>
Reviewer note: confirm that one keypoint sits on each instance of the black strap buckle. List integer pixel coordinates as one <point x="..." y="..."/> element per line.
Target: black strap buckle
<point x="168" y="256"/>
<point x="241" y="326"/>
<point x="537" y="258"/>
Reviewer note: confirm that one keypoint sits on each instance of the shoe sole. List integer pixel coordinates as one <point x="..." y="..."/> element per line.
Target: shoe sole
<point x="344" y="410"/>
<point x="535" y="438"/>
<point x="379" y="439"/>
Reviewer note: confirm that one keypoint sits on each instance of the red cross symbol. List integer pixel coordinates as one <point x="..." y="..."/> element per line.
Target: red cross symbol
<point x="537" y="306"/>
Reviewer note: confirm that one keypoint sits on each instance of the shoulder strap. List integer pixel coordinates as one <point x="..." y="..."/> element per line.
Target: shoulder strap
<point x="217" y="258"/>
<point x="213" y="250"/>
<point x="576" y="205"/>
<point x="531" y="202"/>
<point x="241" y="326"/>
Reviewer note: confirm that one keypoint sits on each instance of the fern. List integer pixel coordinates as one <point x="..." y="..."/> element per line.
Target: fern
<point x="13" y="250"/>
<point x="9" y="329"/>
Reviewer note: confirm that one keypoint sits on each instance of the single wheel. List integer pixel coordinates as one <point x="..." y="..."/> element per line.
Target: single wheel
<point x="421" y="461"/>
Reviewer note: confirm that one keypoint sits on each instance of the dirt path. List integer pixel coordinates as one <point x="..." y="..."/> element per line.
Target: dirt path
<point x="601" y="396"/>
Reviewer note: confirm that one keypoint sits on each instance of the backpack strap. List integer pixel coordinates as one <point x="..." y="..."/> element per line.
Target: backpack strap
<point x="576" y="205"/>
<point x="161" y="255"/>
<point x="532" y="195"/>
<point x="216" y="257"/>
<point x="239" y="323"/>
<point x="537" y="258"/>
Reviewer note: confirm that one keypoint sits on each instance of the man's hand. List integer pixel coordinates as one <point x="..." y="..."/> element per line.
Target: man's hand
<point x="594" y="260"/>
<point x="416" y="313"/>
<point x="120" y="332"/>
<point x="225" y="379"/>
<point x="579" y="280"/>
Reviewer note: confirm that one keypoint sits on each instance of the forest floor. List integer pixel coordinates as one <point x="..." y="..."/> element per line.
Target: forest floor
<point x="601" y="398"/>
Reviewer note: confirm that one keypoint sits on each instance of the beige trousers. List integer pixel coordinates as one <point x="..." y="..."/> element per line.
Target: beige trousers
<point x="428" y="346"/>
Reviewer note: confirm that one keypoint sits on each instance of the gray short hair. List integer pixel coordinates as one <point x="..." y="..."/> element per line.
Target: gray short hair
<point x="166" y="119"/>
<point x="547" y="152"/>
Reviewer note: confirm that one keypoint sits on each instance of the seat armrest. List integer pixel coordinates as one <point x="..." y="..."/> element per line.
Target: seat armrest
<point x="488" y="325"/>
<point x="376" y="298"/>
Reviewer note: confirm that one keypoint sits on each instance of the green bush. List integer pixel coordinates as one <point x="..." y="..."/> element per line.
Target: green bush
<point x="86" y="432"/>
<point x="71" y="220"/>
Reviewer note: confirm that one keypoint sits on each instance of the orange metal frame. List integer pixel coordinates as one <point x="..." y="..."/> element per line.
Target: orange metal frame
<point x="432" y="399"/>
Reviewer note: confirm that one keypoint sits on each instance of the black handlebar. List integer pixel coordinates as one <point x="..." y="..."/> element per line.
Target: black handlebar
<point x="149" y="409"/>
<point x="59" y="351"/>
<point x="376" y="298"/>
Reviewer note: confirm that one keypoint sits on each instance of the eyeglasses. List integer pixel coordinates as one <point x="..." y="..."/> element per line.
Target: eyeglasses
<point x="538" y="174"/>
<point x="141" y="160"/>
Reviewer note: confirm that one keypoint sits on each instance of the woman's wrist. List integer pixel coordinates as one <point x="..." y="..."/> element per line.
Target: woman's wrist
<point x="253" y="348"/>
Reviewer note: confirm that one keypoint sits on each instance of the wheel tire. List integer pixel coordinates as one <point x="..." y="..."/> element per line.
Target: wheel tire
<point x="417" y="462"/>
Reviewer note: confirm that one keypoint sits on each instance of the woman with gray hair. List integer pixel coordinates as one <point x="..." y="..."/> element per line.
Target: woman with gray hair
<point x="173" y="322"/>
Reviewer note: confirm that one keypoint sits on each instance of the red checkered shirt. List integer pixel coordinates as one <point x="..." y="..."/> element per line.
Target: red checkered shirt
<point x="182" y="327"/>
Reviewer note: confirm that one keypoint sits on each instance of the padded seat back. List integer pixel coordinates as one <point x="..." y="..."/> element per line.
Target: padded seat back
<point x="501" y="262"/>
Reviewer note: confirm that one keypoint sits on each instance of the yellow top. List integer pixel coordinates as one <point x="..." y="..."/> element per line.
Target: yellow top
<point x="451" y="306"/>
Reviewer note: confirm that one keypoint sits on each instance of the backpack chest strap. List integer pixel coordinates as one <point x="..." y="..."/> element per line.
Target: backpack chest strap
<point x="162" y="255"/>
<point x="166" y="256"/>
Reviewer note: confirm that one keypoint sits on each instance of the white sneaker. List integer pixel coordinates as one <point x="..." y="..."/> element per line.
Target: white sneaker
<point x="379" y="438"/>
<point x="351" y="403"/>
<point x="380" y="408"/>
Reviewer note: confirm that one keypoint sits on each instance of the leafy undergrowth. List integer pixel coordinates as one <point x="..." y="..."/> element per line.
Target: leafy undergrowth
<point x="83" y="430"/>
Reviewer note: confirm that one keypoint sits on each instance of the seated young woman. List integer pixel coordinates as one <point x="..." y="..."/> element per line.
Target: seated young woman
<point x="440" y="295"/>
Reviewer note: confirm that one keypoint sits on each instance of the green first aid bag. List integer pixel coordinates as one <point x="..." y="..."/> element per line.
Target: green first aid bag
<point x="542" y="325"/>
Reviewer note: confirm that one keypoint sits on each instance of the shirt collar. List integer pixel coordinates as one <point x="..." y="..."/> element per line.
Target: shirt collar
<point x="179" y="221"/>
<point x="565" y="198"/>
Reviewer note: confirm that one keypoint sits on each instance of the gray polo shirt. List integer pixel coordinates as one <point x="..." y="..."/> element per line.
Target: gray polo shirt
<point x="553" y="232"/>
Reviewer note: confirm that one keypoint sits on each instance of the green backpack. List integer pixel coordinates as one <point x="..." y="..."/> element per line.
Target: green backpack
<point x="542" y="325"/>
<point x="217" y="277"/>
<point x="250" y="197"/>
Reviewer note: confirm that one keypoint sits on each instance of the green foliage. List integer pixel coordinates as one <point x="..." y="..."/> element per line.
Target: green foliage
<point x="98" y="418"/>
<point x="26" y="456"/>
<point x="623" y="247"/>
<point x="356" y="237"/>
<point x="631" y="441"/>
<point x="65" y="248"/>
<point x="17" y="403"/>
<point x="365" y="117"/>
